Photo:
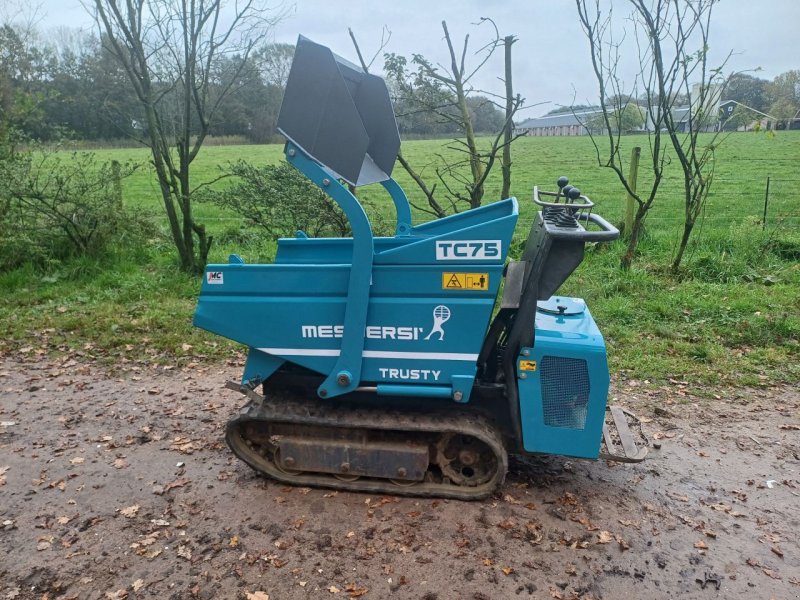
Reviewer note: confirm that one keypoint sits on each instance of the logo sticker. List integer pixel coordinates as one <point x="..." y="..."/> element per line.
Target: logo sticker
<point x="214" y="277"/>
<point x="527" y="365"/>
<point x="441" y="314"/>
<point x="465" y="281"/>
<point x="469" y="250"/>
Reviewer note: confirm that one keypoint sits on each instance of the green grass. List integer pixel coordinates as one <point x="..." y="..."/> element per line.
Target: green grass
<point x="731" y="318"/>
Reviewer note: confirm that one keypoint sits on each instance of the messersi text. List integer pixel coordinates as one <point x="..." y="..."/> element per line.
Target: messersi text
<point x="372" y="332"/>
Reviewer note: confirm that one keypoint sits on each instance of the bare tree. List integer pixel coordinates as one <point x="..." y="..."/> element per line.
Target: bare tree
<point x="276" y="62"/>
<point x="508" y="126"/>
<point x="172" y="52"/>
<point x="671" y="37"/>
<point x="444" y="90"/>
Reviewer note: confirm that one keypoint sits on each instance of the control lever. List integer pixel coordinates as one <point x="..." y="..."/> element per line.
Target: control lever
<point x="573" y="194"/>
<point x="561" y="183"/>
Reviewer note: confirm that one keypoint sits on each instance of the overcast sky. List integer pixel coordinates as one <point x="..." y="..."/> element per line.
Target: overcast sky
<point x="551" y="61"/>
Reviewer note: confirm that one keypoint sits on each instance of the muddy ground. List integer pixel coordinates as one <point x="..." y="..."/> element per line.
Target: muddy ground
<point x="121" y="487"/>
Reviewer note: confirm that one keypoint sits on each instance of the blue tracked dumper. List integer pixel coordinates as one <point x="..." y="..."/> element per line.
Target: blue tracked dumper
<point x="411" y="364"/>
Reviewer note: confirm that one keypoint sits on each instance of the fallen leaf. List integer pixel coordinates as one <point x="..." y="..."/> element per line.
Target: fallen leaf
<point x="507" y="524"/>
<point x="234" y="541"/>
<point x="120" y="463"/>
<point x="118" y="595"/>
<point x="129" y="511"/>
<point x="507" y="570"/>
<point x="78" y="460"/>
<point x="259" y="595"/>
<point x="605" y="537"/>
<point x="777" y="551"/>
<point x="771" y="573"/>
<point x="355" y="591"/>
<point x="137" y="585"/>
<point x="334" y="590"/>
<point x="184" y="552"/>
<point x="3" y="471"/>
<point x="701" y="545"/>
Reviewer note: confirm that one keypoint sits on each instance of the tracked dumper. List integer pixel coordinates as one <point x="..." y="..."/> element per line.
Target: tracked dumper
<point x="395" y="364"/>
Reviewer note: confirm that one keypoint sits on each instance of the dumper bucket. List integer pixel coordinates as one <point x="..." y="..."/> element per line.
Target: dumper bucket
<point x="339" y="115"/>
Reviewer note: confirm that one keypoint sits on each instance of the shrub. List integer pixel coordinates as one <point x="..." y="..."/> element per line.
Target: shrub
<point x="281" y="200"/>
<point x="53" y="208"/>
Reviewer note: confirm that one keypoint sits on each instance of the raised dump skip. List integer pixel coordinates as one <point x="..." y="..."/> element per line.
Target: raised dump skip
<point x="339" y="115"/>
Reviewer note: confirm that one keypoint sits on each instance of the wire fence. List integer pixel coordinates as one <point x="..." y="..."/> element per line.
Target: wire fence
<point x="766" y="190"/>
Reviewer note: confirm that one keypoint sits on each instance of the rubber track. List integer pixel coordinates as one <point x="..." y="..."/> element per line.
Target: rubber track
<point x="323" y="413"/>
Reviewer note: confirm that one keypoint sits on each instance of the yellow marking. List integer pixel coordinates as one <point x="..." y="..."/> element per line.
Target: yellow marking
<point x="527" y="365"/>
<point x="465" y="281"/>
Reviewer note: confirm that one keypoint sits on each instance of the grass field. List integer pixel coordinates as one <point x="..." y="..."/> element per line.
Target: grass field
<point x="731" y="318"/>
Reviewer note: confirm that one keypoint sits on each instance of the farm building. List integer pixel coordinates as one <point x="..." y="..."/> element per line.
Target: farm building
<point x="562" y="124"/>
<point x="576" y="123"/>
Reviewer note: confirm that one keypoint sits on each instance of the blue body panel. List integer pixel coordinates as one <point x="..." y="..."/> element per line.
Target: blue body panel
<point x="385" y="318"/>
<point x="563" y="394"/>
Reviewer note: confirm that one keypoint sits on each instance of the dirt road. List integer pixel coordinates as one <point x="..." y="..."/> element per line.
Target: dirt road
<point x="121" y="487"/>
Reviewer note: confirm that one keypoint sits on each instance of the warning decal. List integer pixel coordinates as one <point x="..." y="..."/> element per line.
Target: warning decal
<point x="465" y="281"/>
<point x="527" y="365"/>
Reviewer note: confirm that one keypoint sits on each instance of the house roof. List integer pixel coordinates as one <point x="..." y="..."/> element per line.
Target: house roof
<point x="558" y="120"/>
<point x="750" y="108"/>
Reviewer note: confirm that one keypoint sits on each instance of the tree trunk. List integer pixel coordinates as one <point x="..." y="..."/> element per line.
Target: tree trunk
<point x="633" y="240"/>
<point x="506" y="163"/>
<point x="688" y="226"/>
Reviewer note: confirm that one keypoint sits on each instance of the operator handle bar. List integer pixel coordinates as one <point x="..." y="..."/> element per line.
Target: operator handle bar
<point x="607" y="233"/>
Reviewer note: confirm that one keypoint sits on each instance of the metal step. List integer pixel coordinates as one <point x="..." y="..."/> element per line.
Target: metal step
<point x="619" y="443"/>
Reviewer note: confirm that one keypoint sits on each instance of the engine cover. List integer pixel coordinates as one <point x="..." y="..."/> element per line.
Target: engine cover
<point x="563" y="381"/>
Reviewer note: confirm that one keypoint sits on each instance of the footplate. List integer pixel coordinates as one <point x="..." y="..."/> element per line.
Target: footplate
<point x="619" y="442"/>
